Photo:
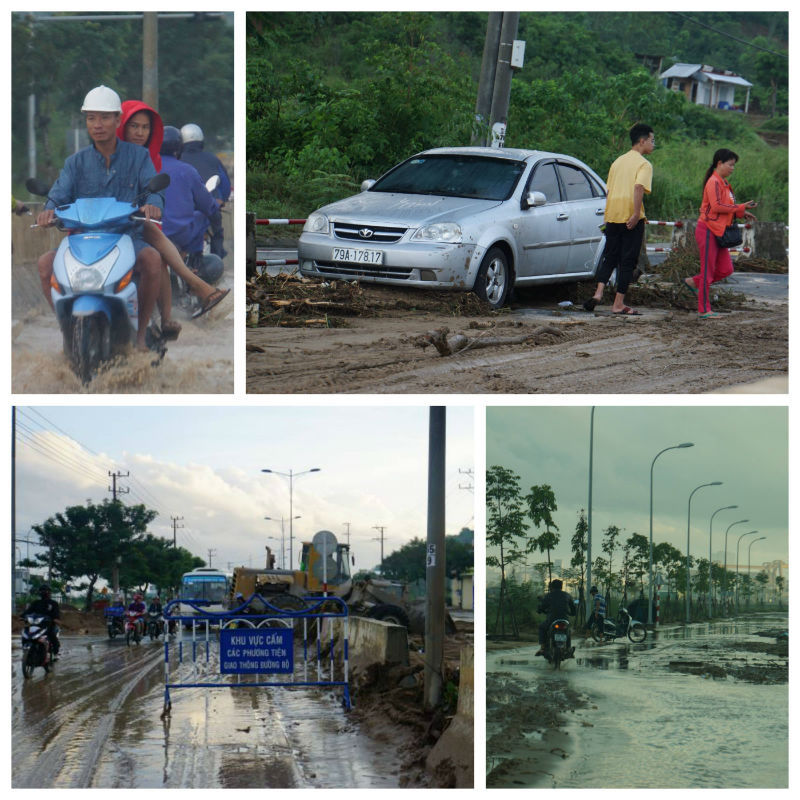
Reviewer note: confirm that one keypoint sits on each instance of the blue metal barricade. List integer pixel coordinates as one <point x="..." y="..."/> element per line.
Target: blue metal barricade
<point x="257" y="644"/>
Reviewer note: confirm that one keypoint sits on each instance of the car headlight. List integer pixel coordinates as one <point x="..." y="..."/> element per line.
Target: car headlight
<point x="89" y="277"/>
<point x="449" y="232"/>
<point x="316" y="223"/>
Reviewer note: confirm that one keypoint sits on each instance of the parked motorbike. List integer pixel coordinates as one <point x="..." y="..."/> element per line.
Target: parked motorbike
<point x="207" y="265"/>
<point x="624" y="625"/>
<point x="36" y="647"/>
<point x="93" y="286"/>
<point x="115" y="623"/>
<point x="155" y="625"/>
<point x="134" y="627"/>
<point x="558" y="646"/>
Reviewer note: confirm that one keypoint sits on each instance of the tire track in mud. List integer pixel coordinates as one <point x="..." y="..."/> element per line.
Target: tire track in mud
<point x="64" y="748"/>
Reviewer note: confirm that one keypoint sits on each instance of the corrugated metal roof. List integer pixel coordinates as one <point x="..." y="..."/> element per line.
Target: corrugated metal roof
<point x="697" y="71"/>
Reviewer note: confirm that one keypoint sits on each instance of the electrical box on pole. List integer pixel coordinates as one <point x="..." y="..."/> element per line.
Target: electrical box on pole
<point x="517" y="54"/>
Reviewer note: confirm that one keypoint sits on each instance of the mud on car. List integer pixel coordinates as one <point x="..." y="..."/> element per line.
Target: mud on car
<point x="471" y="218"/>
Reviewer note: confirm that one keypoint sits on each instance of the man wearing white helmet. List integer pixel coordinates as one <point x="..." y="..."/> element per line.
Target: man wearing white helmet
<point x="207" y="164"/>
<point x="109" y="167"/>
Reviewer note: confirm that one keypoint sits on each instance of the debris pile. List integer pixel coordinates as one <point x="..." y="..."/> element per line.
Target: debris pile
<point x="290" y="300"/>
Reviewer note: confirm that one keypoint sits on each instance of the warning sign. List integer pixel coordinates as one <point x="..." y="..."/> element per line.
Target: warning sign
<point x="254" y="650"/>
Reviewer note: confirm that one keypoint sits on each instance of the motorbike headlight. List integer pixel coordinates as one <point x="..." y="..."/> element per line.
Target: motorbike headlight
<point x="89" y="277"/>
<point x="447" y="232"/>
<point x="317" y="223"/>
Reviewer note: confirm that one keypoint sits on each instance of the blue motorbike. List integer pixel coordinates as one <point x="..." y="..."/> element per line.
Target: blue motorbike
<point x="93" y="285"/>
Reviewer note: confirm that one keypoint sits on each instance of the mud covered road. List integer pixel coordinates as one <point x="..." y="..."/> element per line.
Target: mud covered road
<point x="548" y="350"/>
<point x="95" y="722"/>
<point x="698" y="707"/>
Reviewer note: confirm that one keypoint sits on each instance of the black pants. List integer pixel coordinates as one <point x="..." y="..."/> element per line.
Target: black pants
<point x="621" y="253"/>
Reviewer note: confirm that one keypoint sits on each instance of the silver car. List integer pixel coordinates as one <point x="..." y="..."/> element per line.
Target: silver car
<point x="472" y="218"/>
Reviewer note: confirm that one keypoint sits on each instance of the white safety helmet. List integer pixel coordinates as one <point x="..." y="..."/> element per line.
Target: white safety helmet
<point x="191" y="133"/>
<point x="101" y="98"/>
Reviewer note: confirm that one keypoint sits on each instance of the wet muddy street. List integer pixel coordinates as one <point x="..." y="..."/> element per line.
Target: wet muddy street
<point x="685" y="709"/>
<point x="95" y="722"/>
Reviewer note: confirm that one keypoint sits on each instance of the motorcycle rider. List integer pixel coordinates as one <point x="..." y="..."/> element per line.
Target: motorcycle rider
<point x="556" y="604"/>
<point x="46" y="606"/>
<point x="109" y="168"/>
<point x="156" y="609"/>
<point x="140" y="124"/>
<point x="190" y="207"/>
<point x="598" y="610"/>
<point x="138" y="609"/>
<point x="207" y="164"/>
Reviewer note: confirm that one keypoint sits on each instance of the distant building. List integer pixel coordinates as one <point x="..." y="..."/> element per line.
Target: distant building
<point x="462" y="591"/>
<point x="706" y="86"/>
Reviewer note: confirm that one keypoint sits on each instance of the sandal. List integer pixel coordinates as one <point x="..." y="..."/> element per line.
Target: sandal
<point x="215" y="297"/>
<point x="170" y="330"/>
<point x="689" y="284"/>
<point x="709" y="315"/>
<point x="627" y="311"/>
<point x="591" y="303"/>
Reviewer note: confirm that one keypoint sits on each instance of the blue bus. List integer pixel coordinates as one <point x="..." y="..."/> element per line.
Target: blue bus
<point x="206" y="585"/>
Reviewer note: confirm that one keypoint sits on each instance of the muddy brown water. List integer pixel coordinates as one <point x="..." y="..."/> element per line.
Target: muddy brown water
<point x="639" y="724"/>
<point x="95" y="722"/>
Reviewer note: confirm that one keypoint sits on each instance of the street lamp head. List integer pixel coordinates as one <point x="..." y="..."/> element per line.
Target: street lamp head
<point x="315" y="469"/>
<point x="728" y="507"/>
<point x="266" y="470"/>
<point x="686" y="444"/>
<point x="715" y="483"/>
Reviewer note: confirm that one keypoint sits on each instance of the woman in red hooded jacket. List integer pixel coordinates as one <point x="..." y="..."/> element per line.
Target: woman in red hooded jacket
<point x="140" y="124"/>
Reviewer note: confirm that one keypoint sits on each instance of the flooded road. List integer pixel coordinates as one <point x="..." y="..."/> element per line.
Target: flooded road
<point x="95" y="722"/>
<point x="662" y="714"/>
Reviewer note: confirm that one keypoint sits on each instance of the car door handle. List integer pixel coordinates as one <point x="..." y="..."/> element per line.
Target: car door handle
<point x="600" y="212"/>
<point x="562" y="217"/>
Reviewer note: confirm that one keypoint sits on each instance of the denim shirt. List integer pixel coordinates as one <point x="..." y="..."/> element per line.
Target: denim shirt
<point x="84" y="174"/>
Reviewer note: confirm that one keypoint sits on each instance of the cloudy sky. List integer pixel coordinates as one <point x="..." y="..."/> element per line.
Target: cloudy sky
<point x="204" y="464"/>
<point x="744" y="447"/>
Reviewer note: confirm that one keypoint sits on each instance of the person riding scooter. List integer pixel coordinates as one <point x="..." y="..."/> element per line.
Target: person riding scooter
<point x="137" y="609"/>
<point x="46" y="606"/>
<point x="190" y="209"/>
<point x="556" y="604"/>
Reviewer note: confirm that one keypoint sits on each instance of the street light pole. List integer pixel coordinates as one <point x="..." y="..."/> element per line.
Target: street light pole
<point x="283" y="543"/>
<point x="589" y="518"/>
<point x="737" y="566"/>
<point x="749" y="580"/>
<point x="688" y="531"/>
<point x="725" y="559"/>
<point x="291" y="475"/>
<point x="711" y="522"/>
<point x="650" y="572"/>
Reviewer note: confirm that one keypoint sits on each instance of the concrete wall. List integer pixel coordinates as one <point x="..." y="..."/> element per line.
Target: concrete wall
<point x="373" y="641"/>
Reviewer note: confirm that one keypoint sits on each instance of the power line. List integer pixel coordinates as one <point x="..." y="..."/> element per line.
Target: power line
<point x="729" y="35"/>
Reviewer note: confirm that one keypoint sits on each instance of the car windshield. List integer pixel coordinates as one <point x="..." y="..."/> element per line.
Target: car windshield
<point x="209" y="588"/>
<point x="472" y="176"/>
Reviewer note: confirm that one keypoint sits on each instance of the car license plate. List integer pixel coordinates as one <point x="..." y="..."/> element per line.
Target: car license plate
<point x="357" y="255"/>
<point x="560" y="637"/>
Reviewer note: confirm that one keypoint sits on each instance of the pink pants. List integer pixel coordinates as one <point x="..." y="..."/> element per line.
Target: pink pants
<point x="715" y="264"/>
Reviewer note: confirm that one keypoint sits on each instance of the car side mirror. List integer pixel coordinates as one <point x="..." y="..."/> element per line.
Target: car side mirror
<point x="534" y="200"/>
<point x="367" y="185"/>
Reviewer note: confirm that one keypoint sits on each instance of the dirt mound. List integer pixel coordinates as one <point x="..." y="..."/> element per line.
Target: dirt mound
<point x="72" y="621"/>
<point x="290" y="300"/>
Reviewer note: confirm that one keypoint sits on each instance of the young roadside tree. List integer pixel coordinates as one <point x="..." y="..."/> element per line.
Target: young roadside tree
<point x="779" y="584"/>
<point x="505" y="525"/>
<point x="638" y="550"/>
<point x="762" y="579"/>
<point x="88" y="540"/>
<point x="578" y="561"/>
<point x="610" y="536"/>
<point x="541" y="503"/>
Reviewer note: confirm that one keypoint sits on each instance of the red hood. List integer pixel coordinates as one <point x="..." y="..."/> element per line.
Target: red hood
<point x="131" y="107"/>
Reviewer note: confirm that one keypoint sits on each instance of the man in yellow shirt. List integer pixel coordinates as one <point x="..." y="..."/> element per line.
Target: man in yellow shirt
<point x="629" y="179"/>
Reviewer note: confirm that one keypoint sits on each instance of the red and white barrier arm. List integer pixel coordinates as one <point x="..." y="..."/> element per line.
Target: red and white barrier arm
<point x="280" y="222"/>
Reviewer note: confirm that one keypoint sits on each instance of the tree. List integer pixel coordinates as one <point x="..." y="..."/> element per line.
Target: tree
<point x="638" y="551"/>
<point x="88" y="540"/>
<point x="610" y="537"/>
<point x="505" y="524"/>
<point x="762" y="579"/>
<point x="409" y="562"/>
<point x="578" y="561"/>
<point x="541" y="503"/>
<point x="779" y="583"/>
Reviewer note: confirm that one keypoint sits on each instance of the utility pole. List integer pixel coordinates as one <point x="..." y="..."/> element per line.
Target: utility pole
<point x="483" y="107"/>
<point x="347" y="534"/>
<point x="470" y="487"/>
<point x="114" y="489"/>
<point x="380" y="528"/>
<point x="150" y="58"/>
<point x="211" y="554"/>
<point x="175" y="526"/>
<point x="13" y="509"/>
<point x="435" y="560"/>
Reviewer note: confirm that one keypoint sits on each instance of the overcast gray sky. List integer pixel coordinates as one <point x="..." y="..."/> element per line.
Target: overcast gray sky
<point x="203" y="463"/>
<point x="744" y="447"/>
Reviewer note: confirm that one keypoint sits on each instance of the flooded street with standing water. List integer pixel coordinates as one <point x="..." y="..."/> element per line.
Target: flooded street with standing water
<point x="95" y="721"/>
<point x="698" y="707"/>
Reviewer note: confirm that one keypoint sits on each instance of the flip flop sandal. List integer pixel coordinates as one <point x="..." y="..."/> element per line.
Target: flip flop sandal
<point x="170" y="330"/>
<point x="627" y="312"/>
<point x="709" y="315"/>
<point x="690" y="286"/>
<point x="214" y="298"/>
<point x="590" y="304"/>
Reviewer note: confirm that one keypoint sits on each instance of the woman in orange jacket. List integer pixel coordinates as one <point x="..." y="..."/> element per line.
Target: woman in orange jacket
<point x="716" y="213"/>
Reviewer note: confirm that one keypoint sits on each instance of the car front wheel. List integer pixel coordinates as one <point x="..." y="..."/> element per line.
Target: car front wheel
<point x="494" y="278"/>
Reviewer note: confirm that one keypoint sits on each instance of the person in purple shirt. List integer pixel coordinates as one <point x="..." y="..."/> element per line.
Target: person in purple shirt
<point x="109" y="168"/>
<point x="190" y="209"/>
